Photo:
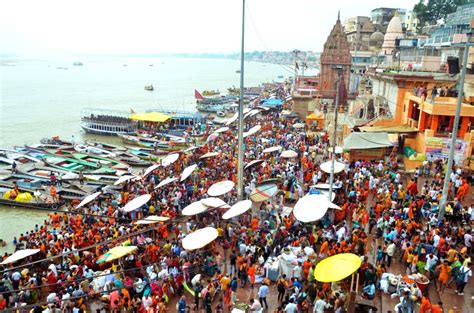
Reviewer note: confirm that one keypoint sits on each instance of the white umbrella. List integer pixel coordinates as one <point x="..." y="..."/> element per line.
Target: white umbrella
<point x="254" y="130"/>
<point x="123" y="179"/>
<point x="20" y="254"/>
<point x="289" y="154"/>
<point x="252" y="163"/>
<point x="188" y="171"/>
<point x="237" y="209"/>
<point x="222" y="129"/>
<point x="136" y="203"/>
<point x="152" y="219"/>
<point x="213" y="202"/>
<point x="326" y="194"/>
<point x="232" y="119"/>
<point x="247" y="110"/>
<point x="166" y="182"/>
<point x="190" y="149"/>
<point x="220" y="188"/>
<point x="151" y="169"/>
<point x="199" y="238"/>
<point x="88" y="199"/>
<point x="338" y="167"/>
<point x="209" y="154"/>
<point x="298" y="125"/>
<point x="324" y="186"/>
<point x="194" y="208"/>
<point x="272" y="149"/>
<point x="170" y="159"/>
<point x="311" y="208"/>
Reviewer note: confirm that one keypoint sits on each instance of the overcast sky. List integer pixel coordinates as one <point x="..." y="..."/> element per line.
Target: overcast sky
<point x="142" y="26"/>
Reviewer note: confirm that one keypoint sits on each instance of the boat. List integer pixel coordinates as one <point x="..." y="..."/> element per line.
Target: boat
<point x="210" y="93"/>
<point x="149" y="87"/>
<point x="102" y="161"/>
<point x="105" y="146"/>
<point x="144" y="154"/>
<point x="107" y="122"/>
<point x="148" y="143"/>
<point x="166" y="138"/>
<point x="237" y="71"/>
<point x="26" y="200"/>
<point x="75" y="165"/>
<point x="210" y="108"/>
<point x="101" y="179"/>
<point x="221" y="114"/>
<point x="94" y="150"/>
<point x="77" y="64"/>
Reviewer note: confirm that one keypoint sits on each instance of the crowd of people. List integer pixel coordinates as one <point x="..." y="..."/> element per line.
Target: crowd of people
<point x="399" y="211"/>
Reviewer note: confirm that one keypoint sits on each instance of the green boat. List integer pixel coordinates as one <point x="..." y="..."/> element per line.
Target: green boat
<point x="101" y="161"/>
<point x="144" y="155"/>
<point x="76" y="165"/>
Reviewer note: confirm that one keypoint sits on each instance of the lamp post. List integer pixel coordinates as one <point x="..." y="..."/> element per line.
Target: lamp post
<point x="240" y="147"/>
<point x="334" y="135"/>
<point x="454" y="133"/>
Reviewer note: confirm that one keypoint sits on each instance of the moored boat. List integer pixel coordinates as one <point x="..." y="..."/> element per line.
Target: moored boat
<point x="101" y="161"/>
<point x="75" y="165"/>
<point x="93" y="150"/>
<point x="107" y="122"/>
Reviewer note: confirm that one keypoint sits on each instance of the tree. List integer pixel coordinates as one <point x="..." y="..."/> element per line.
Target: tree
<point x="429" y="12"/>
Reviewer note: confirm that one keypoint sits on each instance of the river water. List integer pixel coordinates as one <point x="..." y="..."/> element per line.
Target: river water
<point x="44" y="98"/>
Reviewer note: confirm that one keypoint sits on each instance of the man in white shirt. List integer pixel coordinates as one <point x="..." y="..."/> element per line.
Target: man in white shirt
<point x="464" y="274"/>
<point x="390" y="253"/>
<point x="255" y="306"/>
<point x="468" y="241"/>
<point x="291" y="307"/>
<point x="320" y="305"/>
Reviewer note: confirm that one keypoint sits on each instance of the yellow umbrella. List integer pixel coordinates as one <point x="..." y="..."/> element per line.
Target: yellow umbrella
<point x="116" y="253"/>
<point x="150" y="117"/>
<point x="337" y="267"/>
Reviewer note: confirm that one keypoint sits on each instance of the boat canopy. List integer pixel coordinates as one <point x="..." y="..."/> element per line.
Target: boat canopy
<point x="156" y="117"/>
<point x="271" y="102"/>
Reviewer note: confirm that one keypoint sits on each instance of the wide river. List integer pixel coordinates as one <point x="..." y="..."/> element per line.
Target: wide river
<point x="44" y="98"/>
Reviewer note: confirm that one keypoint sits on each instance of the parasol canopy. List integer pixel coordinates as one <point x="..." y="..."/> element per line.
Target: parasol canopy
<point x="338" y="167"/>
<point x="311" y="208"/>
<point x="237" y="209"/>
<point x="263" y="192"/>
<point x="222" y="129"/>
<point x="232" y="119"/>
<point x="116" y="253"/>
<point x="170" y="159"/>
<point x="212" y="137"/>
<point x="19" y="255"/>
<point x="253" y="163"/>
<point x="220" y="188"/>
<point x="199" y="238"/>
<point x="272" y="149"/>
<point x="152" y="219"/>
<point x="213" y="202"/>
<point x="209" y="154"/>
<point x="289" y="154"/>
<point x="136" y="203"/>
<point x="324" y="186"/>
<point x="337" y="267"/>
<point x="166" y="181"/>
<point x="194" y="208"/>
<point x="192" y="148"/>
<point x="253" y="130"/>
<point x="88" y="199"/>
<point x="150" y="169"/>
<point x="156" y="117"/>
<point x="123" y="179"/>
<point x="188" y="171"/>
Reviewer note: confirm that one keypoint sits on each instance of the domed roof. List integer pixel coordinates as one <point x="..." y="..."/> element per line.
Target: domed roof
<point x="376" y="36"/>
<point x="395" y="25"/>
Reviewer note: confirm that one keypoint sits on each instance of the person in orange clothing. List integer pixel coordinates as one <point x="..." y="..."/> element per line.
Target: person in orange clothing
<point x="444" y="270"/>
<point x="323" y="249"/>
<point x="54" y="194"/>
<point x="437" y="308"/>
<point x="425" y="305"/>
<point x="251" y="271"/>
<point x="254" y="223"/>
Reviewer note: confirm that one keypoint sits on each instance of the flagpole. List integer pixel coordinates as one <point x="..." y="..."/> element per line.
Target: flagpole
<point x="240" y="147"/>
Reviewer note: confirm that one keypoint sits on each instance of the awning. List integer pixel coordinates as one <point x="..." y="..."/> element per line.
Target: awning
<point x="361" y="141"/>
<point x="271" y="102"/>
<point x="388" y="129"/>
<point x="156" y="117"/>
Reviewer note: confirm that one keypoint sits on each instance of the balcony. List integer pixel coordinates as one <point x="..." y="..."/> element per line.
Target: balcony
<point x="442" y="106"/>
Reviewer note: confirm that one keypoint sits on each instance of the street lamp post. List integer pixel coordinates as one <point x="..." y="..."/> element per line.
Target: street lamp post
<point x="240" y="147"/>
<point x="454" y="134"/>
<point x="334" y="135"/>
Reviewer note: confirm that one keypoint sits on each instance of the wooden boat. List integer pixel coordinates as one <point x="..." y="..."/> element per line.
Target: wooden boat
<point x="93" y="150"/>
<point x="107" y="122"/>
<point x="101" y="161"/>
<point x="132" y="160"/>
<point x="101" y="179"/>
<point x="75" y="165"/>
<point x="30" y="205"/>
<point x="149" y="87"/>
<point x="144" y="155"/>
<point x="105" y="146"/>
<point x="147" y="143"/>
<point x="210" y="93"/>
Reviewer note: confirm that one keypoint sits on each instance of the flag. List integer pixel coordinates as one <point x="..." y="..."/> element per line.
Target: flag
<point x="297" y="66"/>
<point x="197" y="95"/>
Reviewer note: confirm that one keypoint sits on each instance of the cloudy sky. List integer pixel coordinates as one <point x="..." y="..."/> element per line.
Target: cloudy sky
<point x="140" y="26"/>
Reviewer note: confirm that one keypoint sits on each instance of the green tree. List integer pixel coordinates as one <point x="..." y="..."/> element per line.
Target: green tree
<point x="429" y="12"/>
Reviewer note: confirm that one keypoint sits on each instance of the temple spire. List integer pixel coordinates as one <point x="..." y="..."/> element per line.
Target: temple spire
<point x="338" y="15"/>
